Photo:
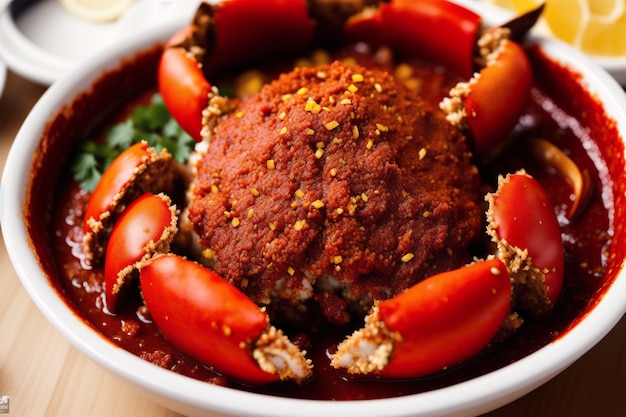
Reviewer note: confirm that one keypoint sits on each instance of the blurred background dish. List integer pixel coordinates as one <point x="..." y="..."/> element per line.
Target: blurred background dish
<point x="3" y="75"/>
<point x="42" y="40"/>
<point x="596" y="27"/>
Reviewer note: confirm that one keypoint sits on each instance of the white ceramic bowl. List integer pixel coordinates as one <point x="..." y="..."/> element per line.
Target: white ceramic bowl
<point x="194" y="398"/>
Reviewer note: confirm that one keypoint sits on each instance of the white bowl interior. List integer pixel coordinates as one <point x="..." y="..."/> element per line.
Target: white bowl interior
<point x="192" y="397"/>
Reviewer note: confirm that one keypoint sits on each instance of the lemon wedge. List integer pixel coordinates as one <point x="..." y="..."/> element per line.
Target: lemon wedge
<point x="97" y="10"/>
<point x="597" y="27"/>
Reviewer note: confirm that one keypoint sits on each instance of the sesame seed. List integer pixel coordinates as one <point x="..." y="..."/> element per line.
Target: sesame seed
<point x="254" y="192"/>
<point x="370" y="144"/>
<point x="250" y="213"/>
<point x="422" y="153"/>
<point x="299" y="225"/>
<point x="353" y="88"/>
<point x="382" y="127"/>
<point x="364" y="197"/>
<point x="355" y="132"/>
<point x="345" y="101"/>
<point x="331" y="100"/>
<point x="270" y="164"/>
<point x="378" y="87"/>
<point x="426" y="214"/>
<point x="282" y="115"/>
<point x="208" y="253"/>
<point x="495" y="271"/>
<point x="318" y="204"/>
<point x="331" y="125"/>
<point x="283" y="131"/>
<point x="214" y="189"/>
<point x="407" y="257"/>
<point x="302" y="91"/>
<point x="357" y="78"/>
<point x="312" y="106"/>
<point x="321" y="75"/>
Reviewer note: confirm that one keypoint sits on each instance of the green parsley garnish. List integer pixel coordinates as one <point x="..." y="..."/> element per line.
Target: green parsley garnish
<point x="152" y="123"/>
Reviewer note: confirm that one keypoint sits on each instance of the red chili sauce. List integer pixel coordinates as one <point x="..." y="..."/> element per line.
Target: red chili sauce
<point x="560" y="110"/>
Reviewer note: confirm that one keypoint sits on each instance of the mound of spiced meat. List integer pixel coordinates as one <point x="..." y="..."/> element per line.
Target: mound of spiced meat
<point x="331" y="187"/>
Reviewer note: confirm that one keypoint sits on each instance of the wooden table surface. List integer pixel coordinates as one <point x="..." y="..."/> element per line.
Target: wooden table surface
<point x="43" y="375"/>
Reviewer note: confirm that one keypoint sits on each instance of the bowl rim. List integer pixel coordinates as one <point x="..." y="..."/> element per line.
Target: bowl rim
<point x="471" y="397"/>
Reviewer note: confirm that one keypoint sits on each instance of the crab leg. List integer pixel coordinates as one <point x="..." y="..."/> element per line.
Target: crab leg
<point x="437" y="323"/>
<point x="523" y="224"/>
<point x="146" y="227"/>
<point x="217" y="41"/>
<point x="215" y="323"/>
<point x="117" y="188"/>
<point x="494" y="100"/>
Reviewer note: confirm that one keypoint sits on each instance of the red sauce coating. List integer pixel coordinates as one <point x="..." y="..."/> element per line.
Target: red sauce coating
<point x="560" y="110"/>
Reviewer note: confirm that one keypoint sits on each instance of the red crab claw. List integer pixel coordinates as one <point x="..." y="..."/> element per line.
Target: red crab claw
<point x="227" y="36"/>
<point x="120" y="184"/>
<point x="437" y="323"/>
<point x="215" y="323"/>
<point x="523" y="224"/>
<point x="491" y="103"/>
<point x="146" y="227"/>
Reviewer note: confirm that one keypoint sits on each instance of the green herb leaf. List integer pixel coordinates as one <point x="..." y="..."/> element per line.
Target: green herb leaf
<point x="152" y="123"/>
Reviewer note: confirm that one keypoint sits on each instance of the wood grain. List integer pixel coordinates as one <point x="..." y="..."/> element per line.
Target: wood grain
<point x="45" y="376"/>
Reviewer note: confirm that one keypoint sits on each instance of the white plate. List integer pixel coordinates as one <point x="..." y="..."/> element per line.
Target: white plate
<point x="45" y="41"/>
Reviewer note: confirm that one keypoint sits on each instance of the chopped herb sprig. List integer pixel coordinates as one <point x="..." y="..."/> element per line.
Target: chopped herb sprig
<point x="152" y="123"/>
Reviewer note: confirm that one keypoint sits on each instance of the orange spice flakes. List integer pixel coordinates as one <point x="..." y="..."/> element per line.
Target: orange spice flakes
<point x="331" y="125"/>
